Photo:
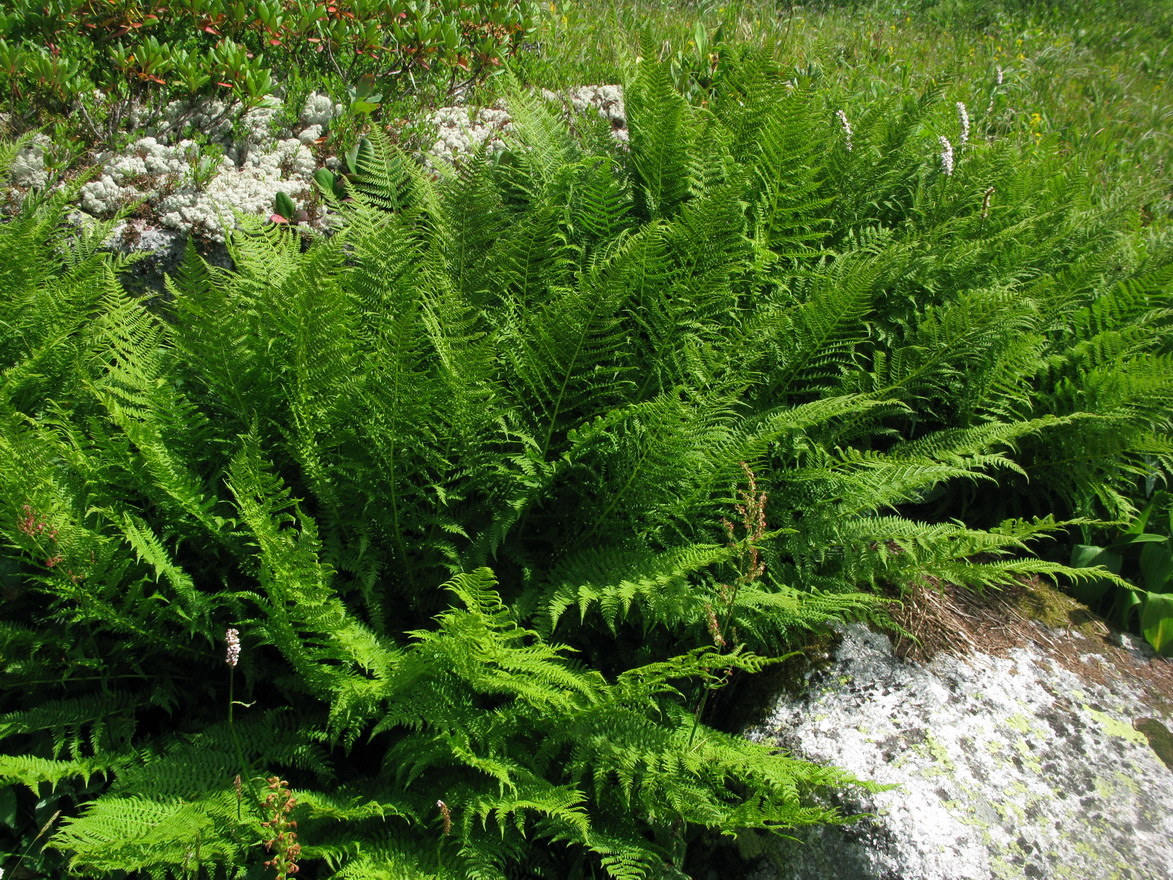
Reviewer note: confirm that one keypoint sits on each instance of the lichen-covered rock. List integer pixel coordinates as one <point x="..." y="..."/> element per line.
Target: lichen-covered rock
<point x="194" y="191"/>
<point x="606" y="100"/>
<point x="461" y="130"/>
<point x="144" y="171"/>
<point x="197" y="165"/>
<point x="287" y="166"/>
<point x="1014" y="766"/>
<point x="158" y="253"/>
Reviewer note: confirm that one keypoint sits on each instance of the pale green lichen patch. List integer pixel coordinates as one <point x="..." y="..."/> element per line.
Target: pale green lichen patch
<point x="1021" y="723"/>
<point x="1029" y="759"/>
<point x="1115" y="727"/>
<point x="1012" y="767"/>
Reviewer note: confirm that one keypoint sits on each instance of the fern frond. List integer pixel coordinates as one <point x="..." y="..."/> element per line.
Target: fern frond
<point x="166" y="839"/>
<point x="31" y="771"/>
<point x="660" y="133"/>
<point x="611" y="580"/>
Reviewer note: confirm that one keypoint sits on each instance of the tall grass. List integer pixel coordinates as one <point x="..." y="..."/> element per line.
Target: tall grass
<point x="1092" y="80"/>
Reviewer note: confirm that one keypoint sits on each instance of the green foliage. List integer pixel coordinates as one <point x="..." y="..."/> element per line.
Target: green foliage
<point x="502" y="480"/>
<point x="55" y="54"/>
<point x="1142" y="556"/>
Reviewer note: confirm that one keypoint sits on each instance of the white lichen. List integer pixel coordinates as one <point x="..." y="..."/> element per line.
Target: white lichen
<point x="250" y="189"/>
<point x="143" y="172"/>
<point x="28" y="166"/>
<point x="606" y="100"/>
<point x="460" y="132"/>
<point x="189" y="198"/>
<point x="319" y="109"/>
<point x="198" y="164"/>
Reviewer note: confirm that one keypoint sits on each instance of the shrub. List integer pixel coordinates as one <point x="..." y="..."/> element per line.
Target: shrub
<point x="54" y="54"/>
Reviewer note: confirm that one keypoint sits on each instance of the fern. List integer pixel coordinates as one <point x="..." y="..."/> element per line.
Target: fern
<point x="461" y="477"/>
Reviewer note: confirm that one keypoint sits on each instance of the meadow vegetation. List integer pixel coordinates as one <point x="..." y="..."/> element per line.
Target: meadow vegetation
<point x="440" y="546"/>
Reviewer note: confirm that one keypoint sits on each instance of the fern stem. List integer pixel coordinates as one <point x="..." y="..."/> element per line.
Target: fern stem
<point x="696" y="715"/>
<point x="138" y="675"/>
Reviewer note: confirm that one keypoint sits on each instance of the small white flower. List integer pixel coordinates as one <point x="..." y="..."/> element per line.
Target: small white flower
<point x="999" y="74"/>
<point x="946" y="156"/>
<point x="963" y="119"/>
<point x="846" y="129"/>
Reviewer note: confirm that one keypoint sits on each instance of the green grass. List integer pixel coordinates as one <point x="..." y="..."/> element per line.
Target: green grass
<point x="1092" y="79"/>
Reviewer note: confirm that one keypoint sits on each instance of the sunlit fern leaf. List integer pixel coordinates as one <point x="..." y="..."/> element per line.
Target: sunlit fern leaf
<point x="611" y="580"/>
<point x="540" y="148"/>
<point x="661" y="134"/>
<point x="529" y="260"/>
<point x="384" y="175"/>
<point x="813" y="346"/>
<point x="600" y="204"/>
<point x="32" y="772"/>
<point x="161" y="838"/>
<point x="567" y="355"/>
<point x="385" y="857"/>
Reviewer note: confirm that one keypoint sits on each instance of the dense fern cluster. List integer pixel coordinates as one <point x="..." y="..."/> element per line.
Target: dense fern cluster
<point x="499" y="481"/>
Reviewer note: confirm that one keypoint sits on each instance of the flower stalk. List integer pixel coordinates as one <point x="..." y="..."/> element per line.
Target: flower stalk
<point x="283" y="843"/>
<point x="847" y="131"/>
<point x="751" y="567"/>
<point x="963" y="123"/>
<point x="946" y="155"/>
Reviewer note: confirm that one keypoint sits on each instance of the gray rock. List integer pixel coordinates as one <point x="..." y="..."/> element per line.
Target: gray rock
<point x="159" y="252"/>
<point x="1013" y="766"/>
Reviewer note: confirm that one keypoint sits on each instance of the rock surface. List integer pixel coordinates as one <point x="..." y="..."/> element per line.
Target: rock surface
<point x="230" y="165"/>
<point x="1046" y="759"/>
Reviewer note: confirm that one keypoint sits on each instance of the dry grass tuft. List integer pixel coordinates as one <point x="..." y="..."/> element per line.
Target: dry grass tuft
<point x="936" y="618"/>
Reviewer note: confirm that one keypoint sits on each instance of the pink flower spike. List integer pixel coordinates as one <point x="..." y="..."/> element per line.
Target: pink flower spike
<point x="232" y="637"/>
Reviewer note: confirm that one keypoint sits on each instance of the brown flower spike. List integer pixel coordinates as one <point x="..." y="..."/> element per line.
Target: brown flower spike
<point x="283" y="844"/>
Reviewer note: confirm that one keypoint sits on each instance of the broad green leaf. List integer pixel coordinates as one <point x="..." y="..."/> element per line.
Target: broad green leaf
<point x="1089" y="556"/>
<point x="1143" y="538"/>
<point x="285" y="206"/>
<point x="1156" y="567"/>
<point x="1127" y="602"/>
<point x="1156" y="622"/>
